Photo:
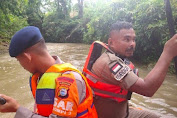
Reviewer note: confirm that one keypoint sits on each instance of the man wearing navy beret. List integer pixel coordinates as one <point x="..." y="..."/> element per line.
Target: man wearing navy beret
<point x="59" y="89"/>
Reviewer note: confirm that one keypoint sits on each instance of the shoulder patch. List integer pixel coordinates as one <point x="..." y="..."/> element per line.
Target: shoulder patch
<point x="66" y="96"/>
<point x="116" y="67"/>
<point x="63" y="85"/>
<point x="65" y="79"/>
<point x="119" y="70"/>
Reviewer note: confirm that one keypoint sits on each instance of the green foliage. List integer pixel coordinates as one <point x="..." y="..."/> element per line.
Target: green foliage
<point x="9" y="28"/>
<point x="102" y="15"/>
<point x="150" y="24"/>
<point x="58" y="25"/>
<point x="34" y="13"/>
<point x="148" y="18"/>
<point x="56" y="30"/>
<point x="12" y="19"/>
<point x="53" y="18"/>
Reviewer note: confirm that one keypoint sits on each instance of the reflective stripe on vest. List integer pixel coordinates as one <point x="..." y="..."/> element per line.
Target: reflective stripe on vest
<point x="109" y="93"/>
<point x="102" y="88"/>
<point x="84" y="112"/>
<point x="47" y="85"/>
<point x="107" y="90"/>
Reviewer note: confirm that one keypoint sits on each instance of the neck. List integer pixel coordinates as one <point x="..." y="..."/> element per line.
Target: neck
<point x="44" y="63"/>
<point x="122" y="57"/>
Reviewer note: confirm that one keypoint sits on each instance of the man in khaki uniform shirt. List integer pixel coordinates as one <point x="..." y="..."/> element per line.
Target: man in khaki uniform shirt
<point x="122" y="42"/>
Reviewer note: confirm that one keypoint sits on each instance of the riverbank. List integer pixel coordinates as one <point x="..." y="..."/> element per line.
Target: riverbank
<point x="4" y="47"/>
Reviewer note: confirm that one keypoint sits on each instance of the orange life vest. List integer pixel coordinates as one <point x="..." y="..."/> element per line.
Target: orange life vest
<point x="100" y="88"/>
<point x="44" y="91"/>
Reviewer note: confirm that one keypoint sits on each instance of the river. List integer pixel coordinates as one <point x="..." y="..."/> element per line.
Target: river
<point x="14" y="81"/>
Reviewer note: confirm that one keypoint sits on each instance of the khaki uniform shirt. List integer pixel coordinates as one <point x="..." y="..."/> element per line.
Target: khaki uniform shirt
<point x="107" y="108"/>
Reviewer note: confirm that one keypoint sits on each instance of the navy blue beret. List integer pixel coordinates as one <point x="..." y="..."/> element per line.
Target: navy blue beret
<point x="24" y="39"/>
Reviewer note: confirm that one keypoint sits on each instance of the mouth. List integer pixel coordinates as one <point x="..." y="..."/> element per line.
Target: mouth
<point x="130" y="49"/>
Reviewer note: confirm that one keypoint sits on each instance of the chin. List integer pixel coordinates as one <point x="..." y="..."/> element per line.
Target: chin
<point x="31" y="71"/>
<point x="129" y="55"/>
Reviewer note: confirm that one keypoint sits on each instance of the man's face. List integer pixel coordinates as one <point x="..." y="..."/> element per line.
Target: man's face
<point x="123" y="42"/>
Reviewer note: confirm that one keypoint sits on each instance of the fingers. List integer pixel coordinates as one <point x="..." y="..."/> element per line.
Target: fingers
<point x="2" y="101"/>
<point x="11" y="104"/>
<point x="170" y="47"/>
<point x="174" y="37"/>
<point x="7" y="98"/>
<point x="173" y="40"/>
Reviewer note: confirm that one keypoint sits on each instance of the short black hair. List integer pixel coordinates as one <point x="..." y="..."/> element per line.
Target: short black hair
<point x="121" y="25"/>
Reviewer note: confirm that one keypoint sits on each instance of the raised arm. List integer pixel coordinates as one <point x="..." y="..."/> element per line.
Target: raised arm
<point x="150" y="84"/>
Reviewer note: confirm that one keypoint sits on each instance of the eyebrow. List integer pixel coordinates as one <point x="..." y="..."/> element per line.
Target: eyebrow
<point x="128" y="36"/>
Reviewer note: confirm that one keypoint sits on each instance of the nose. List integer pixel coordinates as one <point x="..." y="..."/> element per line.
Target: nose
<point x="132" y="43"/>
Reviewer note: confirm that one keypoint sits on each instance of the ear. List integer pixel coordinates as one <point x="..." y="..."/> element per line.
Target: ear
<point x="110" y="42"/>
<point x="27" y="56"/>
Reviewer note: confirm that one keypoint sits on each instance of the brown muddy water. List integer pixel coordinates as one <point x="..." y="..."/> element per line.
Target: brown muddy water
<point x="14" y="81"/>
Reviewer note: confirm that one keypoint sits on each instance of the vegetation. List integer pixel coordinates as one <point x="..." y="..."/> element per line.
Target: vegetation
<point x="84" y="21"/>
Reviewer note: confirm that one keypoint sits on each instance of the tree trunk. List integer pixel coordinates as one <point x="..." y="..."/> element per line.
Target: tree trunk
<point x="170" y="24"/>
<point x="80" y="5"/>
<point x="169" y="17"/>
<point x="64" y="8"/>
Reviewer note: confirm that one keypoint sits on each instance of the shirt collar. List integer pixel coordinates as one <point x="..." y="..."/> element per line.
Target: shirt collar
<point x="57" y="60"/>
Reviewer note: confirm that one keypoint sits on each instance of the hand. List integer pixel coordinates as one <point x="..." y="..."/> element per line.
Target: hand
<point x="171" y="47"/>
<point x="2" y="100"/>
<point x="11" y="104"/>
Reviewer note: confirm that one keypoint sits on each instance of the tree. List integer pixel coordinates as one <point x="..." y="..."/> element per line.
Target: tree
<point x="12" y="17"/>
<point x="170" y="24"/>
<point x="80" y="6"/>
<point x="169" y="17"/>
<point x="63" y="7"/>
<point x="147" y="17"/>
<point x="34" y="13"/>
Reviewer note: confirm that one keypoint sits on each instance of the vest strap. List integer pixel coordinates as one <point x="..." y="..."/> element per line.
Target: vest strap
<point x="91" y="78"/>
<point x="84" y="112"/>
<point x="109" y="93"/>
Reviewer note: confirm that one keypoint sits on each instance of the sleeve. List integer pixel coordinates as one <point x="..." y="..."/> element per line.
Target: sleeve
<point x="81" y="86"/>
<point x="129" y="80"/>
<point x="66" y="99"/>
<point x="114" y="71"/>
<point x="26" y="113"/>
<point x="122" y="73"/>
